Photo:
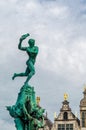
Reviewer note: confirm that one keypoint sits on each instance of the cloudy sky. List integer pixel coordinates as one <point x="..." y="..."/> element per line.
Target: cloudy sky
<point x="59" y="28"/>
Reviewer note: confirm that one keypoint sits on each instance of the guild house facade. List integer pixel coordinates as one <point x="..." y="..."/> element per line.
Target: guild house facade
<point x="66" y="119"/>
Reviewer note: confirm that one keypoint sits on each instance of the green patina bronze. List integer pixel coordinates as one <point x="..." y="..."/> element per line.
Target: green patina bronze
<point x="32" y="52"/>
<point x="26" y="113"/>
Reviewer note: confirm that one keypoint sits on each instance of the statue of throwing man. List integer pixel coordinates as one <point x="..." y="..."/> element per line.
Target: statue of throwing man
<point x="32" y="52"/>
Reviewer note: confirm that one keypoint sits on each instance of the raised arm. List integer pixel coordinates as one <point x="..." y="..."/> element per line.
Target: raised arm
<point x="20" y="42"/>
<point x="20" y="46"/>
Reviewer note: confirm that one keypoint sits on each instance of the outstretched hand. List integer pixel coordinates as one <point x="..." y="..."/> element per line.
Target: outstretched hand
<point x="24" y="36"/>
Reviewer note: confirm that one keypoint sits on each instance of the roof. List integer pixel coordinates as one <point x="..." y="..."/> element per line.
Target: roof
<point x="48" y="122"/>
<point x="78" y="121"/>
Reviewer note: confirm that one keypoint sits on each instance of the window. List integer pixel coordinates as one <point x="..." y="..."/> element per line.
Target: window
<point x="65" y="127"/>
<point x="65" y="116"/>
<point x="83" y="122"/>
<point x="61" y="126"/>
<point x="69" y="126"/>
<point x="83" y="119"/>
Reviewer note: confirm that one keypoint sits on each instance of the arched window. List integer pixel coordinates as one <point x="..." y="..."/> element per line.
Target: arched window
<point x="83" y="119"/>
<point x="65" y="116"/>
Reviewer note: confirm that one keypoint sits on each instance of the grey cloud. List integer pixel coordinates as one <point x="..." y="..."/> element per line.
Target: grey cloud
<point x="61" y="64"/>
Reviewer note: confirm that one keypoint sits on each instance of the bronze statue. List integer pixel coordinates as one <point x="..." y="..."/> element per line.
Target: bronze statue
<point x="32" y="52"/>
<point x="26" y="112"/>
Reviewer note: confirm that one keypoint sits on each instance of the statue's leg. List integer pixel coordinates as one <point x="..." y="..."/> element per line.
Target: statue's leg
<point x="18" y="75"/>
<point x="21" y="74"/>
<point x="19" y="124"/>
<point x="31" y="71"/>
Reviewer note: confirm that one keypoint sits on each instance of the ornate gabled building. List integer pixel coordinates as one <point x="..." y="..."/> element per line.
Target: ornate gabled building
<point x="48" y="123"/>
<point x="83" y="112"/>
<point x="66" y="120"/>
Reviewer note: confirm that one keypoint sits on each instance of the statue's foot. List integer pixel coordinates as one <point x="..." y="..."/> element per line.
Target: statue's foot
<point x="14" y="76"/>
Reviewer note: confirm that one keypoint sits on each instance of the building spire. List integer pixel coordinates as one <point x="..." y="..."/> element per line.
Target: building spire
<point x="55" y="115"/>
<point x="84" y="91"/>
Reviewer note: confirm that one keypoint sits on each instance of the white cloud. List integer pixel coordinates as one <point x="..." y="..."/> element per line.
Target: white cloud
<point x="6" y="125"/>
<point x="58" y="12"/>
<point x="59" y="30"/>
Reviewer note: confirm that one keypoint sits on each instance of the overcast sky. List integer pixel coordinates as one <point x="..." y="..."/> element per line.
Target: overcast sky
<point x="59" y="28"/>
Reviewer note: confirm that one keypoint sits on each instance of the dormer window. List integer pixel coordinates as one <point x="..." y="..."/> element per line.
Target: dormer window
<point x="65" y="116"/>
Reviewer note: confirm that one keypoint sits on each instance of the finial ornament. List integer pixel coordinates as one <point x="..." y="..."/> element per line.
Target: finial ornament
<point x="65" y="96"/>
<point x="84" y="87"/>
<point x="55" y="116"/>
<point x="46" y="114"/>
<point x="38" y="100"/>
<point x="76" y="114"/>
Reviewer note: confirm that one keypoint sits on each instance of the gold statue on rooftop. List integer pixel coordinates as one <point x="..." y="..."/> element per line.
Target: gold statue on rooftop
<point x="65" y="96"/>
